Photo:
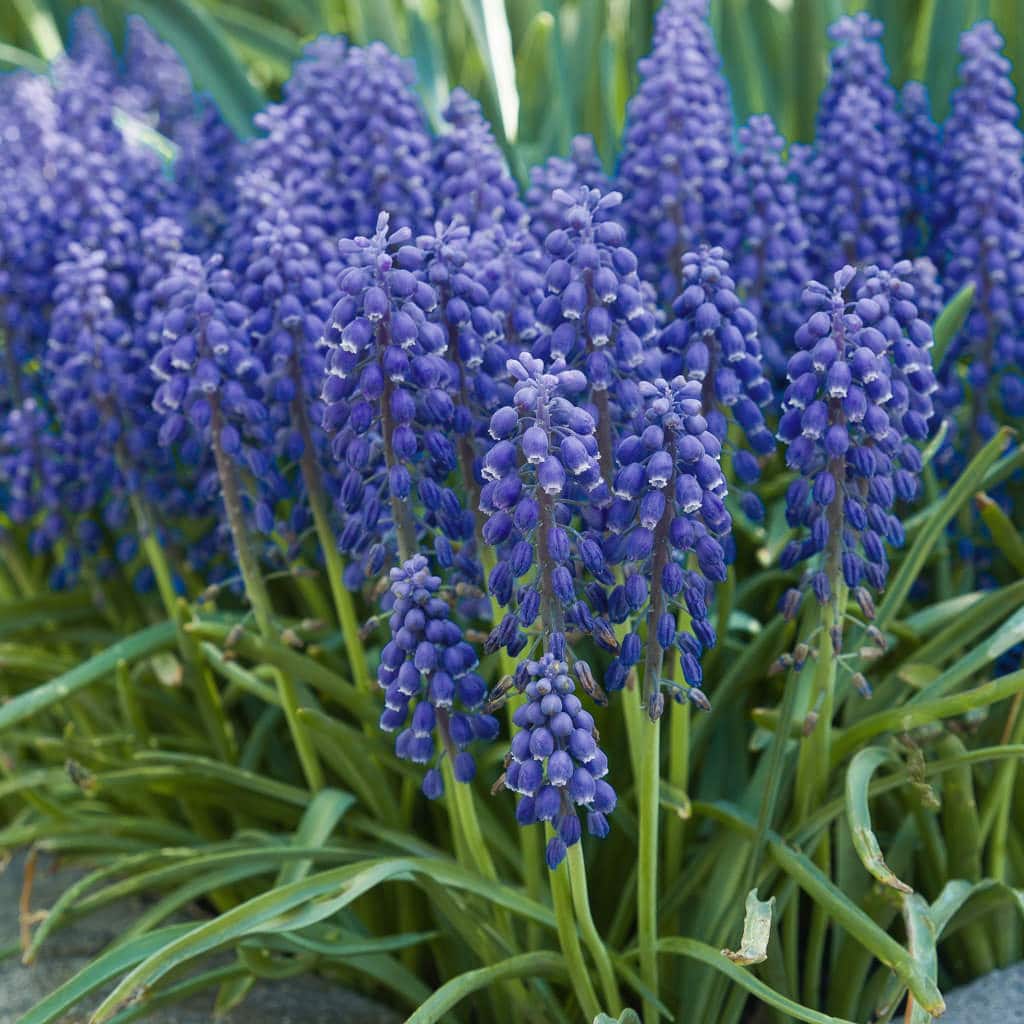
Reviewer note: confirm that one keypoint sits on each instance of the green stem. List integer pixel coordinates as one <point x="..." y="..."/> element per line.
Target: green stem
<point x="131" y="710"/>
<point x="344" y="606"/>
<point x="569" y="940"/>
<point x="647" y="862"/>
<point x="211" y="709"/>
<point x="259" y="601"/>
<point x="591" y="936"/>
<point x="464" y="811"/>
<point x="678" y="763"/>
<point x="18" y="570"/>
<point x="813" y="762"/>
<point x="995" y="813"/>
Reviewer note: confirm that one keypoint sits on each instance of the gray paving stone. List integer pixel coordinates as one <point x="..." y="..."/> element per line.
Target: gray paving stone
<point x="997" y="998"/>
<point x="303" y="1000"/>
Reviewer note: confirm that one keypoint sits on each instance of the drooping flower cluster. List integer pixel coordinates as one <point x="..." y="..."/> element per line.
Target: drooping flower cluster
<point x="856" y="408"/>
<point x="555" y="763"/>
<point x="668" y="508"/>
<point x="676" y="148"/>
<point x="427" y="668"/>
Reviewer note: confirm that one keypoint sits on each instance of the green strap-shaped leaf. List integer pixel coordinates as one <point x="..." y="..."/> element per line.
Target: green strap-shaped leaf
<point x="547" y="963"/>
<point x="207" y="52"/>
<point x="1004" y="534"/>
<point x="745" y="979"/>
<point x="104" y="968"/>
<point x="265" y="37"/>
<point x="927" y="925"/>
<point x="303" y="903"/>
<point x="488" y="22"/>
<point x="858" y="814"/>
<point x="327" y="808"/>
<point x="431" y="72"/>
<point x="95" y="669"/>
<point x="959" y="494"/>
<point x="847" y="914"/>
<point x="978" y="656"/>
<point x="15" y="57"/>
<point x="911" y="715"/>
<point x="950" y="320"/>
<point x="41" y="26"/>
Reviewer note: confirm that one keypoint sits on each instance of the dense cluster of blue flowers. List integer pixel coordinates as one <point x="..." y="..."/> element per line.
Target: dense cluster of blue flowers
<point x="546" y="408"/>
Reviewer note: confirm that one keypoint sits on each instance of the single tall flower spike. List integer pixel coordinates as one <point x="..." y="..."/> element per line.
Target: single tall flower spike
<point x="676" y="147"/>
<point x="769" y="240"/>
<point x="854" y="187"/>
<point x="923" y="155"/>
<point x="856" y="408"/>
<point x="157" y="77"/>
<point x="668" y="508"/>
<point x="542" y="467"/>
<point x="350" y="136"/>
<point x="986" y="245"/>
<point x="555" y="763"/>
<point x="985" y="96"/>
<point x="210" y="391"/>
<point x="857" y="59"/>
<point x="854" y="201"/>
<point x="596" y="315"/>
<point x="385" y="395"/>
<point x="429" y="670"/>
<point x="979" y="237"/>
<point x="714" y="340"/>
<point x="472" y="178"/>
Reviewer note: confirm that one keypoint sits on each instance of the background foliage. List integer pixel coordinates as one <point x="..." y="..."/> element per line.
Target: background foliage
<point x="544" y="69"/>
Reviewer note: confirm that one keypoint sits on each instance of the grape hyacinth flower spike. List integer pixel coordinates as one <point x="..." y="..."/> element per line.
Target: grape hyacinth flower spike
<point x="714" y="340"/>
<point x="669" y="512"/>
<point x="555" y="764"/>
<point x="385" y="398"/>
<point x="542" y="467"/>
<point x="428" y="670"/>
<point x="856" y="408"/>
<point x="596" y="314"/>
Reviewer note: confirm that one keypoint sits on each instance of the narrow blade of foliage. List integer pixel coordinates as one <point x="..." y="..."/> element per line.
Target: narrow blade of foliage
<point x="950" y="320"/>
<point x="94" y="670"/>
<point x="858" y="814"/>
<point x="206" y="51"/>
<point x="712" y="958"/>
<point x="527" y="965"/>
<point x="958" y="496"/>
